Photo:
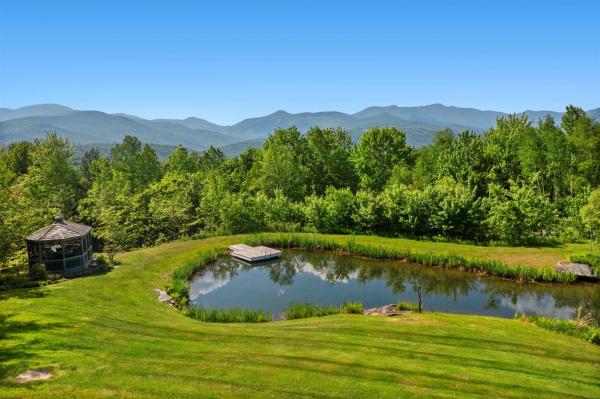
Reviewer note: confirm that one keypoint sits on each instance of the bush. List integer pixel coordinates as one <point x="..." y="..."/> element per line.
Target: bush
<point x="9" y="281"/>
<point x="101" y="260"/>
<point x="38" y="272"/>
<point x="331" y="213"/>
<point x="232" y="315"/>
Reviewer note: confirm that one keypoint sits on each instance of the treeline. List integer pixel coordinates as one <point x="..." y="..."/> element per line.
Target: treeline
<point x="519" y="182"/>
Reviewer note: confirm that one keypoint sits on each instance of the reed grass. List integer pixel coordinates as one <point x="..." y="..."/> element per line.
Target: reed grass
<point x="576" y="328"/>
<point x="352" y="307"/>
<point x="401" y="305"/>
<point x="178" y="285"/>
<point x="302" y="310"/>
<point x="447" y="261"/>
<point x="231" y="315"/>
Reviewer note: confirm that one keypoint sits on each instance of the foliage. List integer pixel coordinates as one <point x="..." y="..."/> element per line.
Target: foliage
<point x="590" y="213"/>
<point x="519" y="214"/>
<point x="515" y="184"/>
<point x="37" y="272"/>
<point x="376" y="154"/>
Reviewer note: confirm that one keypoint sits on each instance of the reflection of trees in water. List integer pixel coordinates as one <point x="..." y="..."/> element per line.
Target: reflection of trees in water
<point x="283" y="271"/>
<point x="585" y="295"/>
<point x="398" y="276"/>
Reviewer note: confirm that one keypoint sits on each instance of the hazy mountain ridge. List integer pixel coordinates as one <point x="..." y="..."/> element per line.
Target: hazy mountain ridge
<point x="88" y="127"/>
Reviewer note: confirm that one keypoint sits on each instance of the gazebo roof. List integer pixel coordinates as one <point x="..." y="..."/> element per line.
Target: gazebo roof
<point x="60" y="230"/>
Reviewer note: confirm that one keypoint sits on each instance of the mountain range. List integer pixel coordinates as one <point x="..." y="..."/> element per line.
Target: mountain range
<point x="88" y="128"/>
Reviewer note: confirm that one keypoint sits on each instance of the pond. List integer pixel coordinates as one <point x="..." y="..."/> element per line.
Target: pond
<point x="329" y="279"/>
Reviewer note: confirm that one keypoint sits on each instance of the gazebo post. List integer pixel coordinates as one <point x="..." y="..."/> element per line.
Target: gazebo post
<point x="62" y="245"/>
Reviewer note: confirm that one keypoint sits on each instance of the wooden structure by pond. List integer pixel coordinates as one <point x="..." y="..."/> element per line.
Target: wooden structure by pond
<point x="63" y="246"/>
<point x="253" y="254"/>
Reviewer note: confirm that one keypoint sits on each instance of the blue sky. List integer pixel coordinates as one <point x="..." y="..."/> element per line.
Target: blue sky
<point x="226" y="60"/>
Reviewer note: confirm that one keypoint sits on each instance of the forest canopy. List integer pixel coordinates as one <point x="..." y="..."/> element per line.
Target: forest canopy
<point x="519" y="182"/>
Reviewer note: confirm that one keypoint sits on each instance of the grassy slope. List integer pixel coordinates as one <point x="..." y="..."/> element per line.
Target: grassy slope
<point x="108" y="336"/>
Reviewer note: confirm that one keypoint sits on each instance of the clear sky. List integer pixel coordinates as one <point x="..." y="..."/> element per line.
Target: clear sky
<point x="226" y="60"/>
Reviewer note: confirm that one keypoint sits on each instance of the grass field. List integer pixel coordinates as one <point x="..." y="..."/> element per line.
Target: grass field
<point x="108" y="336"/>
<point x="531" y="256"/>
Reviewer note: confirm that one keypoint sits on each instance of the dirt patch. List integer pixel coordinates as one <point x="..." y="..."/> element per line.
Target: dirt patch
<point x="33" y="375"/>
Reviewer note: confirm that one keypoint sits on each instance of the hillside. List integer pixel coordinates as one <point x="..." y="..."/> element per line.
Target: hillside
<point x="87" y="127"/>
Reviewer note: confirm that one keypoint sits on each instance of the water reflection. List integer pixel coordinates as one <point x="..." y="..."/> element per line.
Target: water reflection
<point x="327" y="278"/>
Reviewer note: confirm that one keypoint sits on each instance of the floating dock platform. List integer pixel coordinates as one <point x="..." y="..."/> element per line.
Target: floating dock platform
<point x="253" y="254"/>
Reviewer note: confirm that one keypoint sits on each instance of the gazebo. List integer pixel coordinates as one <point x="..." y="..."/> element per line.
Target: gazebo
<point x="62" y="246"/>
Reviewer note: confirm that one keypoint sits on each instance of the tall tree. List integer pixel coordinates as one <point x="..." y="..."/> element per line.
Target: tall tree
<point x="327" y="159"/>
<point x="378" y="151"/>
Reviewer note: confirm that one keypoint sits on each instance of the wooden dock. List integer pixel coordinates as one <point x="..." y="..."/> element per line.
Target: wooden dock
<point x="253" y="254"/>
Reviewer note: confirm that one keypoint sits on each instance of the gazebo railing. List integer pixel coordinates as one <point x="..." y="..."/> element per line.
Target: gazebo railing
<point x="73" y="263"/>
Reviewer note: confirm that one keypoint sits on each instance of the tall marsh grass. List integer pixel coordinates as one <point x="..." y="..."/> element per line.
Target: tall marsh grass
<point x="447" y="261"/>
<point x="306" y="309"/>
<point x="401" y="305"/>
<point x="231" y="315"/>
<point x="579" y="327"/>
<point x="178" y="285"/>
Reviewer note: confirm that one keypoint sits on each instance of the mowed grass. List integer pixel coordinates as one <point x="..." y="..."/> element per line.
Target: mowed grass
<point x="108" y="336"/>
<point x="542" y="257"/>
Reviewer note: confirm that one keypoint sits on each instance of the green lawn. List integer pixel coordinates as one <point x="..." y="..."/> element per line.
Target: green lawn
<point x="531" y="256"/>
<point x="107" y="336"/>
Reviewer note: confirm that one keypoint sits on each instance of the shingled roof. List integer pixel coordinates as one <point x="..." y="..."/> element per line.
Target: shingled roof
<point x="60" y="230"/>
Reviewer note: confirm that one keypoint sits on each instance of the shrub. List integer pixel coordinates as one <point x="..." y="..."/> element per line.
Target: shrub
<point x="101" y="260"/>
<point x="9" y="281"/>
<point x="331" y="213"/>
<point x="38" y="272"/>
<point x="232" y="315"/>
<point x="414" y="307"/>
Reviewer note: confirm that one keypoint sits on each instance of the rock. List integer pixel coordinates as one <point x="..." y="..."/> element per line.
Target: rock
<point x="387" y="310"/>
<point x="164" y="297"/>
<point x="581" y="270"/>
<point x="33" y="375"/>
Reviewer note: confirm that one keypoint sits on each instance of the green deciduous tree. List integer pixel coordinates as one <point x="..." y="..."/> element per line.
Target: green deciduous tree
<point x="327" y="159"/>
<point x="378" y="151"/>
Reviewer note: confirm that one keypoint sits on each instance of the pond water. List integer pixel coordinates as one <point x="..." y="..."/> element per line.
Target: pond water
<point x="330" y="279"/>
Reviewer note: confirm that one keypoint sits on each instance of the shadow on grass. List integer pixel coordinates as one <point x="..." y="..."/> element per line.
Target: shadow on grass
<point x="17" y="352"/>
<point x="22" y="293"/>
